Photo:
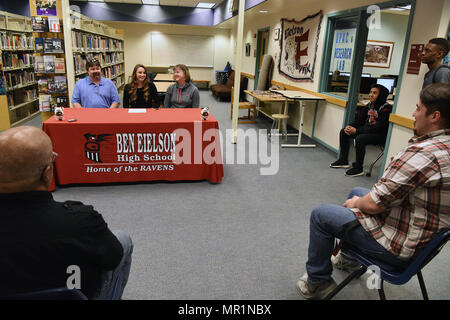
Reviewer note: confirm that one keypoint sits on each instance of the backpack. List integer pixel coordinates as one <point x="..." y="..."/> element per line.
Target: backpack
<point x="437" y="69"/>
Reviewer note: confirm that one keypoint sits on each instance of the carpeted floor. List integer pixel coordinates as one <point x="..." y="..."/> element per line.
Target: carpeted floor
<point x="245" y="238"/>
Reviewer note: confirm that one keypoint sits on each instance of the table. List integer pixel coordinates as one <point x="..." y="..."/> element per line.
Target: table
<point x="161" y="86"/>
<point x="301" y="97"/>
<point x="265" y="96"/>
<point x="125" y="145"/>
<point x="163" y="77"/>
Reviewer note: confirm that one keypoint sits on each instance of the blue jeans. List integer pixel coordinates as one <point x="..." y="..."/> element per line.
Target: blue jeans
<point x="114" y="281"/>
<point x="325" y="225"/>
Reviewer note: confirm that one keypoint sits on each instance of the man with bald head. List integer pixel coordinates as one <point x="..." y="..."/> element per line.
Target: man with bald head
<point x="46" y="244"/>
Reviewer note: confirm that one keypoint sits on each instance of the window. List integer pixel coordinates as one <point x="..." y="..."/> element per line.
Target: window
<point x="343" y="30"/>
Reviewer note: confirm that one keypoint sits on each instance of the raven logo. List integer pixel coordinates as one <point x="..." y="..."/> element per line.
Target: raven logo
<point x="92" y="146"/>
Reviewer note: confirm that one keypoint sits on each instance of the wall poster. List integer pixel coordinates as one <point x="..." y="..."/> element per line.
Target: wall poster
<point x="298" y="44"/>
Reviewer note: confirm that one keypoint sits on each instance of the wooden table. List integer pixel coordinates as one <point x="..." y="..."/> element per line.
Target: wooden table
<point x="265" y="96"/>
<point x="163" y="77"/>
<point x="301" y="97"/>
<point x="162" y="86"/>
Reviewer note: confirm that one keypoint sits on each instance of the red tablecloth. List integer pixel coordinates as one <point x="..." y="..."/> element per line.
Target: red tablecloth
<point x="114" y="145"/>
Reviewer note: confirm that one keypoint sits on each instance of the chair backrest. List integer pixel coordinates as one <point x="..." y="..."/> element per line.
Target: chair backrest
<point x="431" y="249"/>
<point x="50" y="294"/>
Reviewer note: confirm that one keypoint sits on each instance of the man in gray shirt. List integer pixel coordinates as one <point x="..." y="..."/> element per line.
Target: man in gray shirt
<point x="432" y="55"/>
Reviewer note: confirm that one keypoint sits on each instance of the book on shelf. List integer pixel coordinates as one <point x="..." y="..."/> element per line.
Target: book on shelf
<point x="48" y="45"/>
<point x="39" y="44"/>
<point x="10" y="100"/>
<point x="43" y="85"/>
<point x="51" y="85"/>
<point x="45" y="102"/>
<point x="2" y="84"/>
<point x="60" y="65"/>
<point x="62" y="102"/>
<point x="39" y="64"/>
<point x="40" y="24"/>
<point x="57" y="45"/>
<point x="53" y="24"/>
<point x="60" y="84"/>
<point x="49" y="64"/>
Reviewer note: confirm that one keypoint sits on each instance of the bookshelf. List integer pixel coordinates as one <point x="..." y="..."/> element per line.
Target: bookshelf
<point x="50" y="61"/>
<point x="18" y="86"/>
<point x="93" y="39"/>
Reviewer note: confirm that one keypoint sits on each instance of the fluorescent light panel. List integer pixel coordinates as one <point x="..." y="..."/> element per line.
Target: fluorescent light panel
<point x="205" y="5"/>
<point x="96" y="0"/>
<point x="154" y="2"/>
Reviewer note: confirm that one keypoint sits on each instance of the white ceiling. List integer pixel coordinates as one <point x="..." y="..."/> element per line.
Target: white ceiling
<point x="179" y="3"/>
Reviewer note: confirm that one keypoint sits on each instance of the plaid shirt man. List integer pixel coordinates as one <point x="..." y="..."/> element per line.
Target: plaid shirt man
<point x="415" y="189"/>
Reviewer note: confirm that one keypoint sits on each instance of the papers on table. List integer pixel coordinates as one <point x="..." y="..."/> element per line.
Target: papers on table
<point x="137" y="110"/>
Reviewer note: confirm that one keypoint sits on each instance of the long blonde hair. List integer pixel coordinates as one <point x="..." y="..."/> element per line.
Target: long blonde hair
<point x="134" y="85"/>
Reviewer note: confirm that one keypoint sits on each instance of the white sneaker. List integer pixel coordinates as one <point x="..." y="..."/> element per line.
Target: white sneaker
<point x="342" y="262"/>
<point x="315" y="291"/>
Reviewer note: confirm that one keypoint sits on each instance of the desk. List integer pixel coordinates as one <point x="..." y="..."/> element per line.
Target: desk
<point x="163" y="77"/>
<point x="301" y="97"/>
<point x="113" y="145"/>
<point x="265" y="96"/>
<point x="161" y="86"/>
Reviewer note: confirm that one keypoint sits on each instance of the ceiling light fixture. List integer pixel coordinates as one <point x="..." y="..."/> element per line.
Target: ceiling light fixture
<point x="263" y="11"/>
<point x="206" y="5"/>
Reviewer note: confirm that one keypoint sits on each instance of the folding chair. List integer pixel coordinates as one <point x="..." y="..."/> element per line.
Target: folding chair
<point x="389" y="273"/>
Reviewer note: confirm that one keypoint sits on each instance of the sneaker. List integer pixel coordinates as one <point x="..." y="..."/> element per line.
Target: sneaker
<point x="340" y="164"/>
<point x="316" y="291"/>
<point x="342" y="262"/>
<point x="354" y="172"/>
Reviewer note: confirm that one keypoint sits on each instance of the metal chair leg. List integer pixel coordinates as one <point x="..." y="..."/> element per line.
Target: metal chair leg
<point x="369" y="173"/>
<point x="355" y="274"/>
<point x="422" y="285"/>
<point x="381" y="291"/>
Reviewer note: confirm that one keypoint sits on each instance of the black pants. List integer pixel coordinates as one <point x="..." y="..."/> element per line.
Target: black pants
<point x="361" y="141"/>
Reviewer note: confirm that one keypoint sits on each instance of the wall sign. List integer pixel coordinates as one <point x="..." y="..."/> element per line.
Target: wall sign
<point x="415" y="59"/>
<point x="299" y="42"/>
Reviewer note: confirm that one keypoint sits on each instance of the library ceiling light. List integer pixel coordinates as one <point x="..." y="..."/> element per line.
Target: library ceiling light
<point x="263" y="11"/>
<point x="96" y="0"/>
<point x="206" y="5"/>
<point x="154" y="2"/>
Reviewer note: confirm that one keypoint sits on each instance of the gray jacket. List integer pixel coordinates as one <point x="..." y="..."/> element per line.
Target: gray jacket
<point x="186" y="96"/>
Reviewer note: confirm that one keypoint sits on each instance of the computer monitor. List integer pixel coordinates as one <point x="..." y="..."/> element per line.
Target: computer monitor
<point x="389" y="83"/>
<point x="365" y="75"/>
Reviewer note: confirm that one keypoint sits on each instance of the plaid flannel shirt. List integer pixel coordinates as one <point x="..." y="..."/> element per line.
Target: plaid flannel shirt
<point x="415" y="189"/>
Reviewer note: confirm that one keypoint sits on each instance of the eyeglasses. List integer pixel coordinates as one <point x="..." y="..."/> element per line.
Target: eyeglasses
<point x="93" y="60"/>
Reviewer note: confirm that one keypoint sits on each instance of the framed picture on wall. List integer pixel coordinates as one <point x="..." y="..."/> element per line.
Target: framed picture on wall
<point x="378" y="54"/>
<point x="276" y="34"/>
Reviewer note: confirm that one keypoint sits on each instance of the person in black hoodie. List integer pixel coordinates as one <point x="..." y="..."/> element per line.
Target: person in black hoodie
<point x="370" y="127"/>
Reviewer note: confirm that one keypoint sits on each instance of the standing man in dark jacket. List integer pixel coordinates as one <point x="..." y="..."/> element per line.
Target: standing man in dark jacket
<point x="370" y="127"/>
<point x="432" y="55"/>
<point x="46" y="244"/>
